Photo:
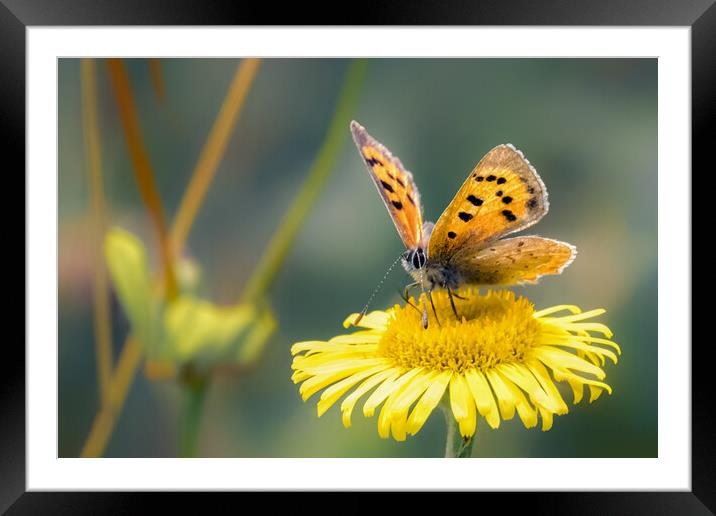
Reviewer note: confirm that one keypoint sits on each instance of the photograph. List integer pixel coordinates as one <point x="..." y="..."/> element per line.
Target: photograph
<point x="357" y="257"/>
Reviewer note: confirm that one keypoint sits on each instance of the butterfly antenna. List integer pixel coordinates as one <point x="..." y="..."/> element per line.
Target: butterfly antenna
<point x="375" y="291"/>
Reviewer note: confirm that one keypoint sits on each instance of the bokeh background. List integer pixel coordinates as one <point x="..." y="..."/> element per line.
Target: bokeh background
<point x="588" y="125"/>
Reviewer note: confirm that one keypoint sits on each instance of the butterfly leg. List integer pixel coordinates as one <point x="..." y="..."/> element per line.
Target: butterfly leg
<point x="435" y="312"/>
<point x="452" y="303"/>
<point x="457" y="296"/>
<point x="407" y="290"/>
<point x="405" y="293"/>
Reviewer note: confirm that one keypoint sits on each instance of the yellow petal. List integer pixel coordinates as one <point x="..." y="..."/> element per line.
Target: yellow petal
<point x="548" y="385"/>
<point x="581" y="316"/>
<point x="595" y="392"/>
<point x="527" y="414"/>
<point x="299" y="376"/>
<point x="350" y="401"/>
<point x="389" y="418"/>
<point x="560" y="359"/>
<point x="574" y="343"/>
<point x="597" y="327"/>
<point x="401" y="405"/>
<point x="410" y="393"/>
<point x="385" y="422"/>
<point x="577" y="389"/>
<point x="462" y="405"/>
<point x="351" y="365"/>
<point x="482" y="394"/>
<point x="335" y="391"/>
<point x="522" y="377"/>
<point x="428" y="401"/>
<point x="377" y="319"/>
<point x="546" y="418"/>
<point x="558" y="308"/>
<point x="563" y="374"/>
<point x="505" y="399"/>
<point x="316" y="383"/>
<point x="390" y="385"/>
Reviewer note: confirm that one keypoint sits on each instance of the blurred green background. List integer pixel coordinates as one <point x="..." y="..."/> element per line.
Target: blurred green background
<point x="589" y="126"/>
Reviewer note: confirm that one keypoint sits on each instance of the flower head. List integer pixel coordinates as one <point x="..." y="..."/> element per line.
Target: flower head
<point x="494" y="361"/>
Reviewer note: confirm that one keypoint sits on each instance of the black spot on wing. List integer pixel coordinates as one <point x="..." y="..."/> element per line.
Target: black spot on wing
<point x="507" y="199"/>
<point x="398" y="205"/>
<point x="410" y="199"/>
<point x="387" y="186"/>
<point x="452" y="234"/>
<point x="479" y="179"/>
<point x="464" y="216"/>
<point x="509" y="215"/>
<point x="532" y="203"/>
<point x="499" y="193"/>
<point x="474" y="200"/>
<point x="491" y="178"/>
<point x="501" y="180"/>
<point x="400" y="182"/>
<point x="373" y="161"/>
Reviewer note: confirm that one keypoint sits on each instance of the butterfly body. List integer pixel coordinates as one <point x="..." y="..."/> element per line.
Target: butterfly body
<point x="503" y="194"/>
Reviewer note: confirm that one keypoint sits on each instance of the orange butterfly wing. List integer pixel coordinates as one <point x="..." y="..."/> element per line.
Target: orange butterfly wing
<point x="395" y="186"/>
<point x="513" y="260"/>
<point x="502" y="194"/>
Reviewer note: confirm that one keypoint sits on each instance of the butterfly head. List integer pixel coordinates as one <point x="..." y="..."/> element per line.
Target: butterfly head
<point x="414" y="259"/>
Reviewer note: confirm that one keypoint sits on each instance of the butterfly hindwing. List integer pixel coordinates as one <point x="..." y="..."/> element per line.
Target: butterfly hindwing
<point x="395" y="186"/>
<point x="513" y="260"/>
<point x="502" y="194"/>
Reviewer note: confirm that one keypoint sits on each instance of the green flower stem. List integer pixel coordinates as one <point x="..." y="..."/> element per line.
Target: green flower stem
<point x="195" y="388"/>
<point x="455" y="445"/>
<point x="321" y="168"/>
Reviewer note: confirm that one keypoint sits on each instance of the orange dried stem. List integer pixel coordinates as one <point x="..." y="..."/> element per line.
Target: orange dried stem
<point x="142" y="167"/>
<point x="121" y="380"/>
<point x="213" y="151"/>
<point x="155" y="72"/>
<point x="97" y="215"/>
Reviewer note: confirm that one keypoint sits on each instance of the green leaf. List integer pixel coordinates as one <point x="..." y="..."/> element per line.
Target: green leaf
<point x="203" y="333"/>
<point x="127" y="264"/>
<point x="190" y="329"/>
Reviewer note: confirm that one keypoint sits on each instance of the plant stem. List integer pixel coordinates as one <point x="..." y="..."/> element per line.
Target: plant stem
<point x="277" y="249"/>
<point x="455" y="445"/>
<point x="142" y="167"/>
<point x="102" y="316"/>
<point x="129" y="359"/>
<point x="119" y="386"/>
<point x="195" y="388"/>
<point x="155" y="72"/>
<point x="213" y="151"/>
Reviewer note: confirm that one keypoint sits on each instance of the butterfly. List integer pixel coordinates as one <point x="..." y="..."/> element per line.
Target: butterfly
<point x="503" y="194"/>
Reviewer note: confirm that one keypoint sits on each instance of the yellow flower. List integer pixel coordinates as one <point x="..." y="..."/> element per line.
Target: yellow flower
<point x="494" y="362"/>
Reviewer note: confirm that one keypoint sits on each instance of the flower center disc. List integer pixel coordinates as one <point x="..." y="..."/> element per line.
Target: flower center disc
<point x="493" y="329"/>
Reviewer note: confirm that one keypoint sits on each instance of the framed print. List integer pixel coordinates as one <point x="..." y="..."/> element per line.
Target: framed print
<point x="217" y="301"/>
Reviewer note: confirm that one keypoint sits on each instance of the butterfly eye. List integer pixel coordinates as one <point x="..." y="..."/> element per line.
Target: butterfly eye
<point x="418" y="259"/>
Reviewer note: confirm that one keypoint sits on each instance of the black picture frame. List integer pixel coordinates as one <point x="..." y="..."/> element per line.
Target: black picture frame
<point x="17" y="15"/>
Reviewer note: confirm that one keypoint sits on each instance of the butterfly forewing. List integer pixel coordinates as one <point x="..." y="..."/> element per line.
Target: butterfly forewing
<point x="395" y="186"/>
<point x="513" y="260"/>
<point x="501" y="195"/>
